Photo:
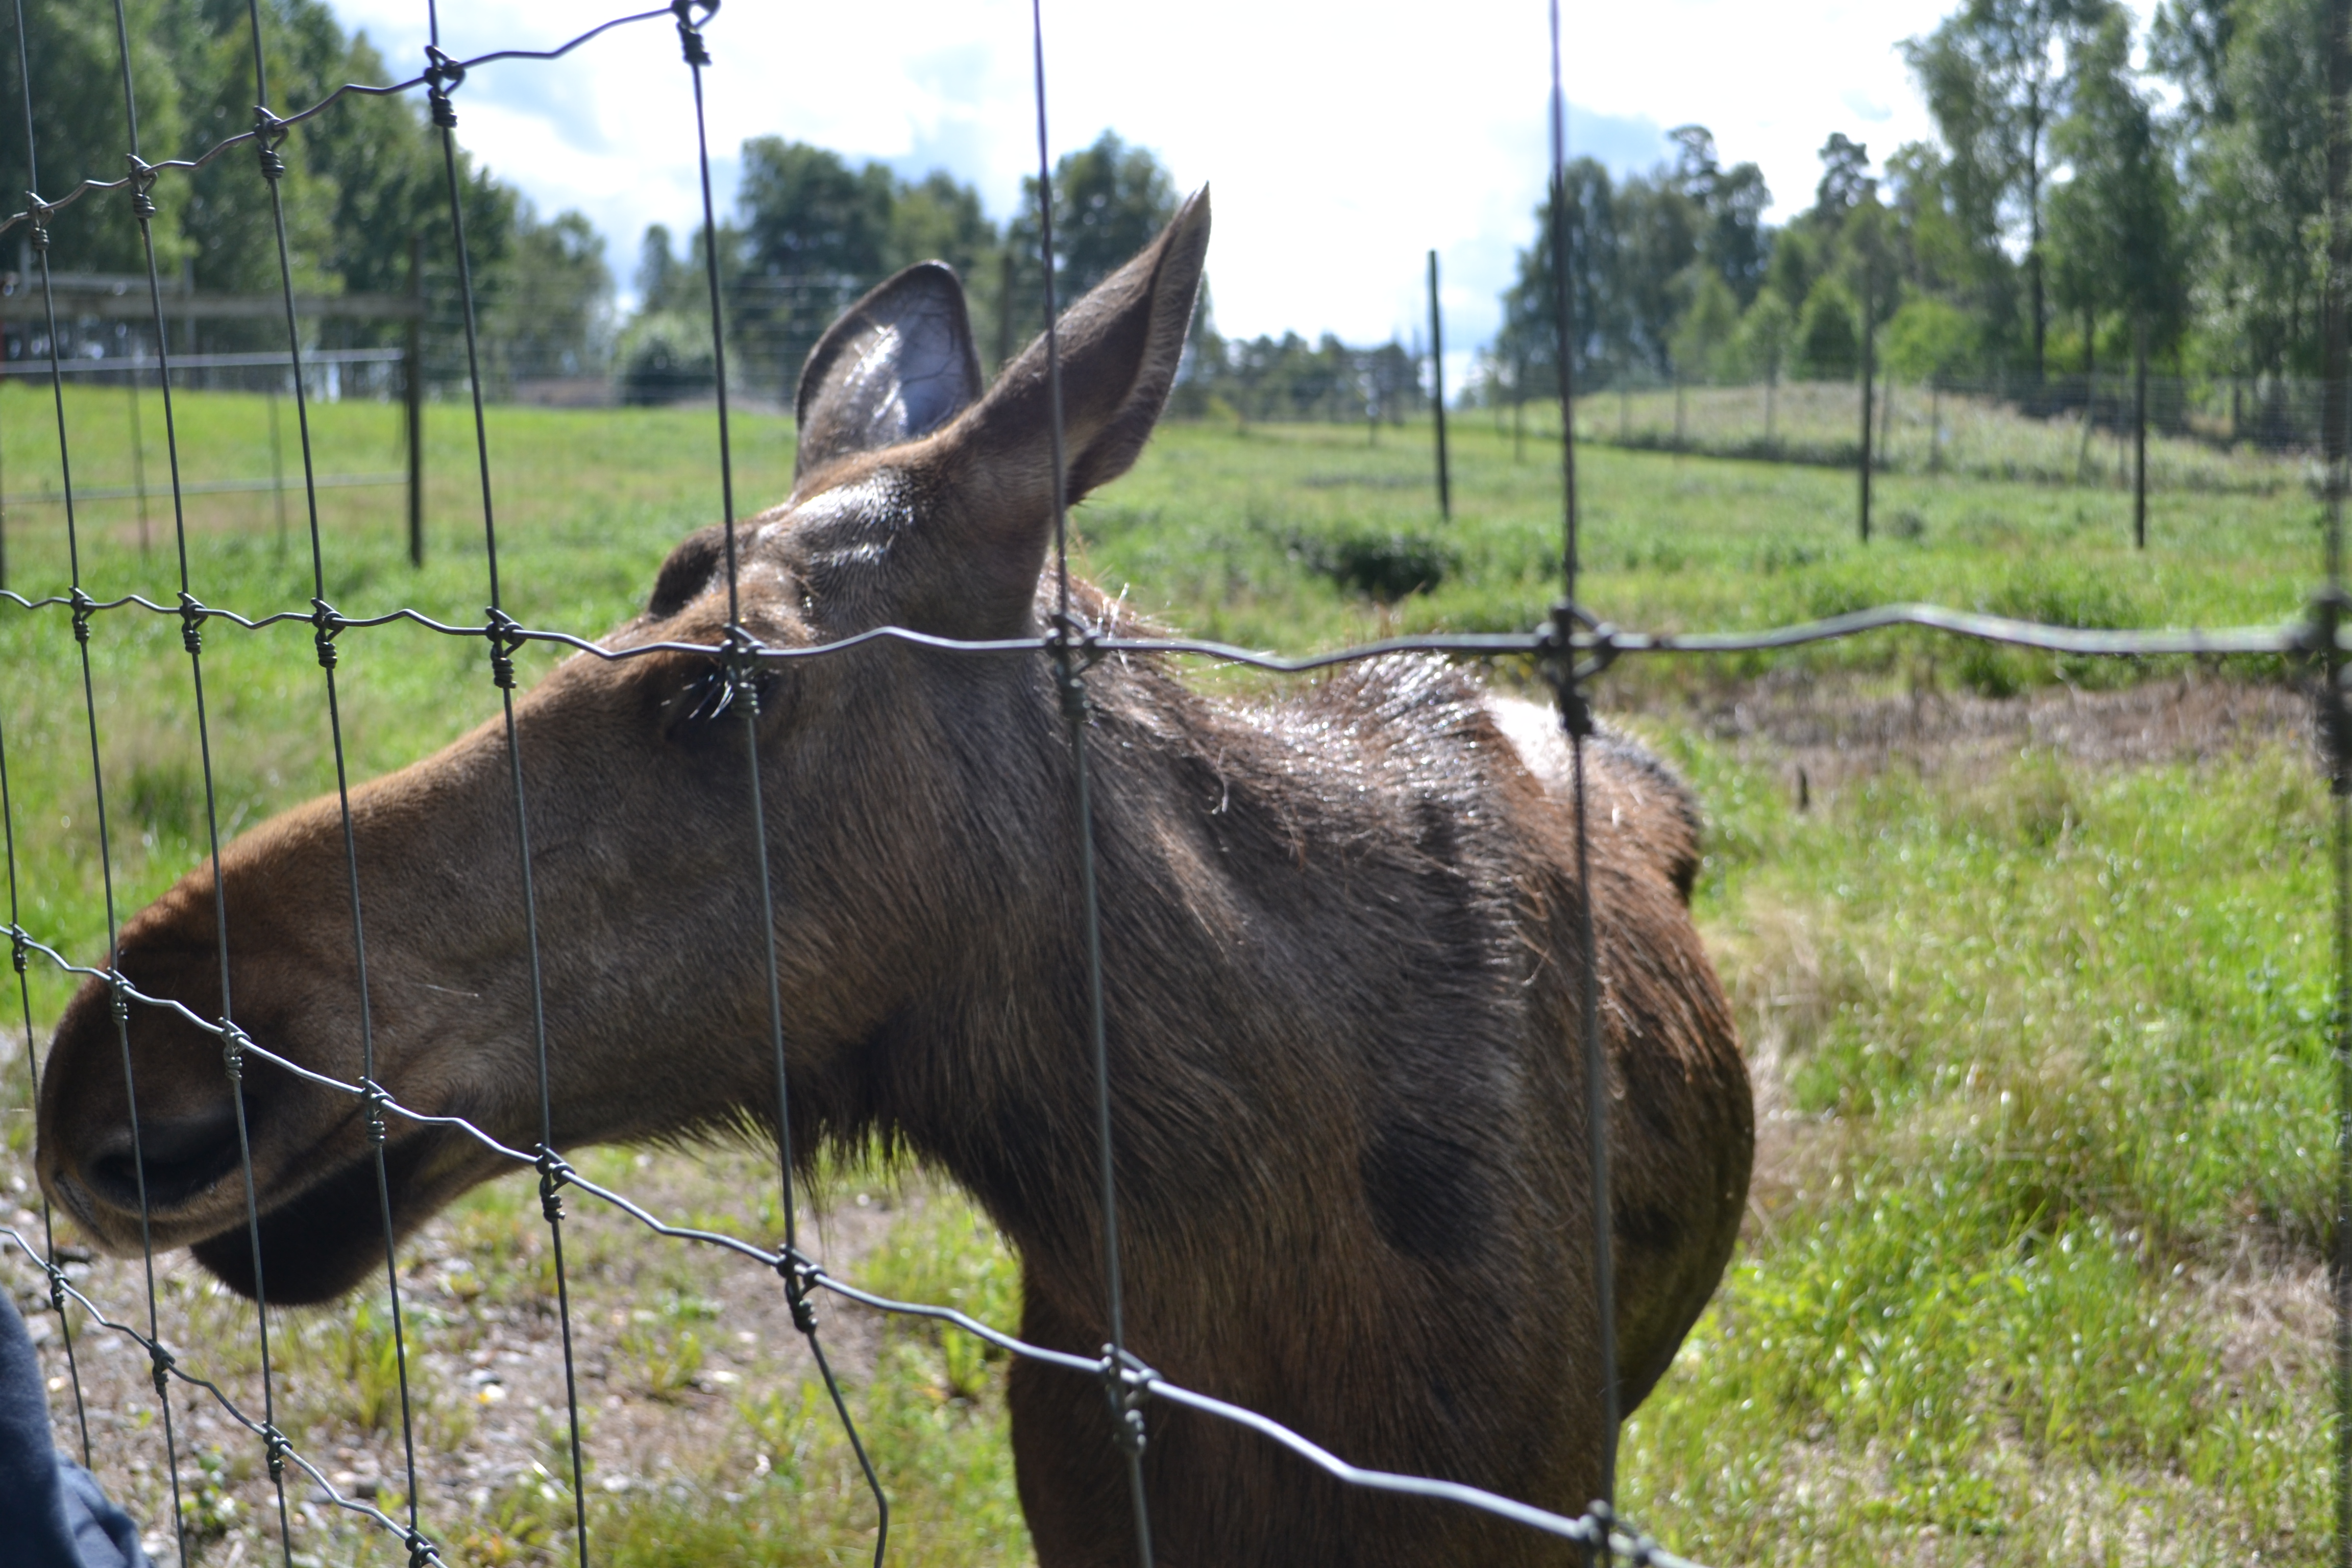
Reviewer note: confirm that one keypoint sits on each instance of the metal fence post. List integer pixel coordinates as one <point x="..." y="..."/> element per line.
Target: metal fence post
<point x="1869" y="342"/>
<point x="412" y="388"/>
<point x="1437" y="387"/>
<point x="2335" y="427"/>
<point x="2139" y="434"/>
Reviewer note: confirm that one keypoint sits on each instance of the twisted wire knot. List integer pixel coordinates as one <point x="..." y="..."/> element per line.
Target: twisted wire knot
<point x="800" y="1281"/>
<point x="442" y="77"/>
<point x="373" y="1098"/>
<point x="233" y="1043"/>
<point x="502" y="630"/>
<point x="691" y="14"/>
<point x="1556" y="659"/>
<point x="740" y="658"/>
<point x="56" y="1286"/>
<point x="553" y="1173"/>
<point x="143" y="181"/>
<point x="19" y="947"/>
<point x="420" y="1551"/>
<point x="325" y="623"/>
<point x="1074" y="651"/>
<point x="274" y="1443"/>
<point x="83" y="607"/>
<point x="40" y="212"/>
<point x="191" y="622"/>
<point x="161" y="1363"/>
<point x="1127" y="1382"/>
<point x="1604" y="1526"/>
<point x="268" y="134"/>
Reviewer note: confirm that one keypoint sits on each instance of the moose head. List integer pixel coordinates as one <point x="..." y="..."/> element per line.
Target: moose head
<point x="918" y="502"/>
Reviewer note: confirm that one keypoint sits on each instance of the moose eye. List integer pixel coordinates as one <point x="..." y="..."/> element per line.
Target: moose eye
<point x="708" y="697"/>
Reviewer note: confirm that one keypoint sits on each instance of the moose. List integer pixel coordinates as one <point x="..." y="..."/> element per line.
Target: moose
<point x="1340" y="931"/>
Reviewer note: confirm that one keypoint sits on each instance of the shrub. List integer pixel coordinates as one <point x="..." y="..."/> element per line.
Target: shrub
<point x="665" y="357"/>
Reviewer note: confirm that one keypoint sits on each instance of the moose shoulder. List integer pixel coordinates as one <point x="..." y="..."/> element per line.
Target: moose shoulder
<point x="1339" y="932"/>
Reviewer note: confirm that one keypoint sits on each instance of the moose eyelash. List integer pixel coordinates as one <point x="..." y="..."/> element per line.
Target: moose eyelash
<point x="711" y="694"/>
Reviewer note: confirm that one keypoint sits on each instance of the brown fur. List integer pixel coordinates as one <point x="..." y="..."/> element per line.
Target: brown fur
<point x="1338" y="938"/>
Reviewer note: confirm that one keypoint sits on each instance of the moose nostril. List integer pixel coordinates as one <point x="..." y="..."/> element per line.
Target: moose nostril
<point x="182" y="1156"/>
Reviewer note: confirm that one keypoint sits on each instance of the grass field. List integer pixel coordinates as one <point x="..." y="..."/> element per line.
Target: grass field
<point x="1917" y="429"/>
<point x="2035" y="1003"/>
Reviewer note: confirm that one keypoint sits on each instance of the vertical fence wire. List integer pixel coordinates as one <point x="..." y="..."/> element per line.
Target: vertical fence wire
<point x="192" y="639"/>
<point x="744" y="686"/>
<point x="1576" y="715"/>
<point x="1070" y="659"/>
<point x="271" y="167"/>
<point x="443" y="75"/>
<point x="2335" y="435"/>
<point x="160" y="1359"/>
<point x="270" y="135"/>
<point x="19" y="951"/>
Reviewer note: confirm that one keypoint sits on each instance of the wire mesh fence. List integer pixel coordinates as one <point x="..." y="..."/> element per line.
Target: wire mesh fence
<point x="1569" y="651"/>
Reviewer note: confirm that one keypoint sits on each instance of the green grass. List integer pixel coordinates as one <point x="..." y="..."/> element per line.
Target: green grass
<point x="2051" y="1046"/>
<point x="2042" y="1202"/>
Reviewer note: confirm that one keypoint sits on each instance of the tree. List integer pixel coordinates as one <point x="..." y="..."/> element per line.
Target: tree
<point x="1845" y="179"/>
<point x="2188" y="41"/>
<point x="808" y="215"/>
<point x="938" y="219"/>
<point x="661" y="277"/>
<point x="1732" y="239"/>
<point x="78" y="129"/>
<point x="556" y="317"/>
<point x="1930" y="339"/>
<point x="1657" y="240"/>
<point x="1766" y="334"/>
<point x="357" y="181"/>
<point x="1110" y="200"/>
<point x="1703" y="339"/>
<point x="1995" y="85"/>
<point x="1530" y="333"/>
<point x="1827" y="348"/>
<point x="2257" y="164"/>
<point x="2114" y="222"/>
<point x="1943" y="259"/>
<point x="816" y="233"/>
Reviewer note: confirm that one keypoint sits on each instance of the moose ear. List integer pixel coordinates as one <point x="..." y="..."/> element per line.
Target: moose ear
<point x="1118" y="348"/>
<point x="899" y="365"/>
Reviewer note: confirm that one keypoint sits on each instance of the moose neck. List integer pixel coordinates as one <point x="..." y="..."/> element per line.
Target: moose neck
<point x="1217" y="842"/>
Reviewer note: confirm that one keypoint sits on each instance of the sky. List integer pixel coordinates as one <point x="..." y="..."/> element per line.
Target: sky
<point x="1341" y="142"/>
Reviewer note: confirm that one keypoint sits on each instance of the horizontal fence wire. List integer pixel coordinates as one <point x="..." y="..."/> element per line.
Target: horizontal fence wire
<point x="1596" y="638"/>
<point x="1572" y="647"/>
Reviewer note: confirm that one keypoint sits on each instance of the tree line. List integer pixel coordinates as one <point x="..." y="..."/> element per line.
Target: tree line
<point x="360" y="180"/>
<point x="2089" y="190"/>
<point x="2089" y="194"/>
<point x="812" y="231"/>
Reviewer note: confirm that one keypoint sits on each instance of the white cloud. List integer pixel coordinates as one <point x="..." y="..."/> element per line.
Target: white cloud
<point x="1343" y="142"/>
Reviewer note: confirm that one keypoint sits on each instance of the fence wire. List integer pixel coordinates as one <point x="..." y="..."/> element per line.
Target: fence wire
<point x="1569" y="651"/>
